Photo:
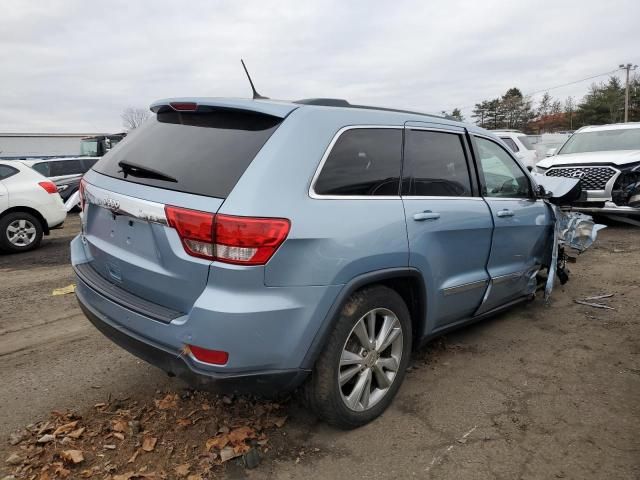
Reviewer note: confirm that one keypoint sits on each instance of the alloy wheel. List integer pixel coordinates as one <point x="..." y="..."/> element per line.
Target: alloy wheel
<point x="21" y="233"/>
<point x="370" y="359"/>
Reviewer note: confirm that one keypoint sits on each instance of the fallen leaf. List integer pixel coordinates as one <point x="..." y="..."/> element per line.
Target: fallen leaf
<point x="72" y="456"/>
<point x="197" y="476"/>
<point x="183" y="422"/>
<point x="227" y="453"/>
<point x="60" y="471"/>
<point x="124" y="476"/>
<point x="242" y="448"/>
<point x="119" y="425"/>
<point x="86" y="473"/>
<point x="279" y="421"/>
<point x="13" y="459"/>
<point x="149" y="443"/>
<point x="46" y="438"/>
<point x="66" y="428"/>
<point x="240" y="434"/>
<point x="134" y="456"/>
<point x="182" y="470"/>
<point x="118" y="435"/>
<point x="218" y="442"/>
<point x="76" y="433"/>
<point x="169" y="401"/>
<point x="64" y="290"/>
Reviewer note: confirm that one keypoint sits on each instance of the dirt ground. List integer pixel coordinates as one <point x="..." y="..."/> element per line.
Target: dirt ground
<point x="537" y="392"/>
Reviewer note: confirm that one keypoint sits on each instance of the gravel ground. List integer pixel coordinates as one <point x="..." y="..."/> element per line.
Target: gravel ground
<point x="537" y="392"/>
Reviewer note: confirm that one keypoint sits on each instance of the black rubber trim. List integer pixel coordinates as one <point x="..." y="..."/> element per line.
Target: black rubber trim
<point x="118" y="295"/>
<point x="268" y="383"/>
<point x="358" y="282"/>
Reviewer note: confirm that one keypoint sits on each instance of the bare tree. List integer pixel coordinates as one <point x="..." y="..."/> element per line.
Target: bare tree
<point x="132" y="117"/>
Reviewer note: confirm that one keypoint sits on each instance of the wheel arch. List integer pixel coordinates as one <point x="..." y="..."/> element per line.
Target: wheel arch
<point x="406" y="281"/>
<point x="31" y="211"/>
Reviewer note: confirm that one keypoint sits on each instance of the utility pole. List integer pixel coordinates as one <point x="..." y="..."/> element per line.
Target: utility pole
<point x="628" y="67"/>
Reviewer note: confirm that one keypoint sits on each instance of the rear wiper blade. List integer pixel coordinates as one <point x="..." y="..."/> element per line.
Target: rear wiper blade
<point x="143" y="172"/>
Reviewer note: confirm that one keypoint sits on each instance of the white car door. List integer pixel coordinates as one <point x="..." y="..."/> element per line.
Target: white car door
<point x="6" y="171"/>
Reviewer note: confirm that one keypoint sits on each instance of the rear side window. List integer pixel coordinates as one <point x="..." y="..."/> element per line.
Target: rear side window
<point x="435" y="164"/>
<point x="42" y="168"/>
<point x="87" y="163"/>
<point x="201" y="153"/>
<point x="363" y="162"/>
<point x="6" y="171"/>
<point x="510" y="143"/>
<point x="66" y="167"/>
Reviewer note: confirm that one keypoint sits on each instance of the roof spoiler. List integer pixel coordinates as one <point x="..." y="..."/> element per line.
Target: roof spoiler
<point x="193" y="104"/>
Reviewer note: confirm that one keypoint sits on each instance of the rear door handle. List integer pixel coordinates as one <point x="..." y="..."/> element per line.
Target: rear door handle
<point x="426" y="215"/>
<point x="505" y="213"/>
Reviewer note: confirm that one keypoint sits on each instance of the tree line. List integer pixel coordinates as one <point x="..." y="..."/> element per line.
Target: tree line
<point x="603" y="103"/>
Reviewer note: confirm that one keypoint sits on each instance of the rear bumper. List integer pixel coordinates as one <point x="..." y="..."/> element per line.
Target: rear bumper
<point x="268" y="382"/>
<point x="267" y="331"/>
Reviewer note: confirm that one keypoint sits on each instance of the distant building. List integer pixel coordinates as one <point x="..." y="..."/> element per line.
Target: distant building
<point x="41" y="145"/>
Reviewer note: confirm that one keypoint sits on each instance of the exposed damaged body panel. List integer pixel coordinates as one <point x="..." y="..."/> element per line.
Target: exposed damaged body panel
<point x="572" y="230"/>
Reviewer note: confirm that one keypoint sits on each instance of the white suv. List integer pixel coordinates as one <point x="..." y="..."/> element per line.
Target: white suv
<point x="30" y="206"/>
<point x="606" y="159"/>
<point x="520" y="145"/>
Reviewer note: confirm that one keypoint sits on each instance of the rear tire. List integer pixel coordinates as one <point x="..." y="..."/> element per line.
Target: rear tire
<point x="358" y="373"/>
<point x="19" y="232"/>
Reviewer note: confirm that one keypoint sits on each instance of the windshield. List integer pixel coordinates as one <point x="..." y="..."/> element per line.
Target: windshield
<point x="605" y="140"/>
<point x="89" y="148"/>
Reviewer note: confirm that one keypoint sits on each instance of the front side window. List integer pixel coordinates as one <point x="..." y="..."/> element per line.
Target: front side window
<point x="6" y="171"/>
<point x="502" y="175"/>
<point x="435" y="165"/>
<point x="510" y="143"/>
<point x="363" y="162"/>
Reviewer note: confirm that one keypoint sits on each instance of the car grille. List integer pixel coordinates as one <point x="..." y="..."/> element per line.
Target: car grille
<point x="591" y="178"/>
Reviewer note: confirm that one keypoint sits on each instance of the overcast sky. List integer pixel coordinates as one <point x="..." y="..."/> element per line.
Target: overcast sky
<point x="75" y="65"/>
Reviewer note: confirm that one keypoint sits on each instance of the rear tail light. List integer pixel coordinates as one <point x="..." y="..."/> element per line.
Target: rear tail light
<point x="50" y="187"/>
<point x="215" y="357"/>
<point x="226" y="238"/>
<point x="81" y="194"/>
<point x="195" y="230"/>
<point x="248" y="240"/>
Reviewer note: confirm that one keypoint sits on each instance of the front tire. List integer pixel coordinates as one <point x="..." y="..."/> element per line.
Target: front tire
<point x="364" y="361"/>
<point x="19" y="232"/>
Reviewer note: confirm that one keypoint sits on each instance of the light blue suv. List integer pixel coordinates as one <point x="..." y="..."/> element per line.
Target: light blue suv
<point x="257" y="245"/>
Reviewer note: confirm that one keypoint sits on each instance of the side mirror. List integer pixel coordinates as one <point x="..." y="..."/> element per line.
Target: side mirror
<point x="542" y="193"/>
<point x="551" y="152"/>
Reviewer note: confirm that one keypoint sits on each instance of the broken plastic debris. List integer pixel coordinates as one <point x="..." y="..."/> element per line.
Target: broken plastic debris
<point x="64" y="290"/>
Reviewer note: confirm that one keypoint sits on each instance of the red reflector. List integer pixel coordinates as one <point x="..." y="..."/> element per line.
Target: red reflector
<point x="184" y="106"/>
<point x="216" y="357"/>
<point x="248" y="240"/>
<point x="50" y="187"/>
<point x="194" y="228"/>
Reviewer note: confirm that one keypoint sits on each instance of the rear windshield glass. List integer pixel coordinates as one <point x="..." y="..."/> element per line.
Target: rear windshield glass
<point x="201" y="153"/>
